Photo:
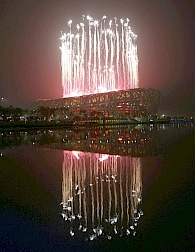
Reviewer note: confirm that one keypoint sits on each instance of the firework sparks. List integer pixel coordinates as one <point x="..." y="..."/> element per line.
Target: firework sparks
<point x="100" y="57"/>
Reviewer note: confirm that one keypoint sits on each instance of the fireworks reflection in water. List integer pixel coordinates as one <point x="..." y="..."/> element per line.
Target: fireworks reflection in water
<point x="101" y="194"/>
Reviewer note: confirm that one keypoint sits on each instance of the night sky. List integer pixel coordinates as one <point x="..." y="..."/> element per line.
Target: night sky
<point x="30" y="55"/>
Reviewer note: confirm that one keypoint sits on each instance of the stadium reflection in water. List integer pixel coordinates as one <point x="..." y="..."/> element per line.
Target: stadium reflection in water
<point x="102" y="190"/>
<point x="101" y="194"/>
<point x="101" y="175"/>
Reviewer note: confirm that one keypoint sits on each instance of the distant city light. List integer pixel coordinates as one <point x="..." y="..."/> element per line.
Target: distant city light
<point x="2" y="99"/>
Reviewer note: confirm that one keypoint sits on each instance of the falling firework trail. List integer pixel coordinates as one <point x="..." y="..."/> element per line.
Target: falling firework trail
<point x="99" y="58"/>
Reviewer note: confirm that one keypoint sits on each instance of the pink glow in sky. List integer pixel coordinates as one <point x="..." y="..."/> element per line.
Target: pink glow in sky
<point x="100" y="57"/>
<point x="30" y="62"/>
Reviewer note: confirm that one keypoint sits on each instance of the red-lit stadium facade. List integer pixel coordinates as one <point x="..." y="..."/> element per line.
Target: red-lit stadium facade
<point x="133" y="104"/>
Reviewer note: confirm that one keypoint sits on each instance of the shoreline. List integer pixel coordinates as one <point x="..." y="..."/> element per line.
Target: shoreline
<point x="5" y="126"/>
<point x="14" y="126"/>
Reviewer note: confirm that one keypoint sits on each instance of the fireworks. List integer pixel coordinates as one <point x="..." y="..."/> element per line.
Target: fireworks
<point x="101" y="194"/>
<point x="100" y="57"/>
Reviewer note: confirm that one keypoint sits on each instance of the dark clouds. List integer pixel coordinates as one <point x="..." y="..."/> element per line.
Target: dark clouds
<point x="30" y="55"/>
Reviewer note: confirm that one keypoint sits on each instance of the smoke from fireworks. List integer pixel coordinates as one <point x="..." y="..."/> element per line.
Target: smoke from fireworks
<point x="100" y="57"/>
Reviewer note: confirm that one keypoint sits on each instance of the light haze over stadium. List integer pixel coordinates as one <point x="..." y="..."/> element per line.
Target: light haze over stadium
<point x="99" y="65"/>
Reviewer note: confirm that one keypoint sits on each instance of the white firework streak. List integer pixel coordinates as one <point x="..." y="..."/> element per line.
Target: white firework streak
<point x="100" y="58"/>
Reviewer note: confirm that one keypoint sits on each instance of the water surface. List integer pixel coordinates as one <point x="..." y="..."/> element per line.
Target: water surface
<point x="100" y="189"/>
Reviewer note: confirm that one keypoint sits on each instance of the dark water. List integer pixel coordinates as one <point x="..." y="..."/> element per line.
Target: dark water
<point x="116" y="189"/>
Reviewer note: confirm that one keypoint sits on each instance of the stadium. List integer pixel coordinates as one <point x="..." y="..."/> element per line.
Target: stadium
<point x="100" y="80"/>
<point x="133" y="105"/>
